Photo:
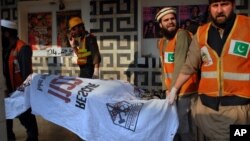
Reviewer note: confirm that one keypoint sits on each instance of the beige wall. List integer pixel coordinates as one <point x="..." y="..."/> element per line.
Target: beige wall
<point x="3" y="136"/>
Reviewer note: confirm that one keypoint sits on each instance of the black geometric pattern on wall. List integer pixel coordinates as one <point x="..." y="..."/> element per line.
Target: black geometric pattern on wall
<point x="115" y="25"/>
<point x="243" y="4"/>
<point x="117" y="10"/>
<point x="147" y="75"/>
<point x="55" y="65"/>
<point x="9" y="9"/>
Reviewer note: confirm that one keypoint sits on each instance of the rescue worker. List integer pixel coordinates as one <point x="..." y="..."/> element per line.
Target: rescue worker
<point x="173" y="48"/>
<point x="17" y="65"/>
<point x="220" y="49"/>
<point x="85" y="47"/>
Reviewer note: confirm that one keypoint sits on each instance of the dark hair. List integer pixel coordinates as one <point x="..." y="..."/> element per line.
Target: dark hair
<point x="12" y="32"/>
<point x="212" y="1"/>
<point x="193" y="7"/>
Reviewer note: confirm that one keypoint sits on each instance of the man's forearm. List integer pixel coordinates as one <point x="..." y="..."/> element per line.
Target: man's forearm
<point x="181" y="79"/>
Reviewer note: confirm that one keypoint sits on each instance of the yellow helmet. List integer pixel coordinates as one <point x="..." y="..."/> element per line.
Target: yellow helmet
<point x="74" y="21"/>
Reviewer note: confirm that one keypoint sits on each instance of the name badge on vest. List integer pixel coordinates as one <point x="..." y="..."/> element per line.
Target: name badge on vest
<point x="239" y="48"/>
<point x="205" y="56"/>
<point x="169" y="57"/>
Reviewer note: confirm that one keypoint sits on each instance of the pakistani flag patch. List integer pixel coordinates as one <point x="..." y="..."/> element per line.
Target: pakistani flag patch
<point x="169" y="57"/>
<point x="239" y="48"/>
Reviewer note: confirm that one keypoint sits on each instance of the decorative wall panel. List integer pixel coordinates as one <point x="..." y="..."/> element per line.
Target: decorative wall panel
<point x="9" y="9"/>
<point x="115" y="23"/>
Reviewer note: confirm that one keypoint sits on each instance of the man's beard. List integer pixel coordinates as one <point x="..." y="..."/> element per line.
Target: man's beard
<point x="168" y="34"/>
<point x="222" y="24"/>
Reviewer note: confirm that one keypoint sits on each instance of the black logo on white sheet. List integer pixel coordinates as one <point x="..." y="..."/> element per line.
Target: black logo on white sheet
<point x="125" y="114"/>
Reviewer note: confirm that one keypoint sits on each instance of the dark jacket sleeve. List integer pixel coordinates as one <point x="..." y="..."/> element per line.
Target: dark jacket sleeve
<point x="96" y="56"/>
<point x="25" y="61"/>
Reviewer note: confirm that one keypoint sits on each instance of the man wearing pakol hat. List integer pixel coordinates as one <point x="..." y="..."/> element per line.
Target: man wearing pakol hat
<point x="220" y="49"/>
<point x="173" y="47"/>
<point x="17" y="65"/>
<point x="85" y="47"/>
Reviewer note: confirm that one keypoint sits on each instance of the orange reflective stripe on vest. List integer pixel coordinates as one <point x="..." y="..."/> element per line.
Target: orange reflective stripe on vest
<point x="82" y="53"/>
<point x="167" y="55"/>
<point x="229" y="74"/>
<point x="14" y="68"/>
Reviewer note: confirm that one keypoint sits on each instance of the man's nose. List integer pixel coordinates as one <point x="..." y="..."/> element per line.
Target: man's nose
<point x="219" y="9"/>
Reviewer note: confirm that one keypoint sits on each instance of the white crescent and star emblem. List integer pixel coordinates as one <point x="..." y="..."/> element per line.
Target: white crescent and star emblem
<point x="241" y="49"/>
<point x="171" y="58"/>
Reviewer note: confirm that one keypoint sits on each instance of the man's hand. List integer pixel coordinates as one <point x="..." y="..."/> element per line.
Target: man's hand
<point x="74" y="42"/>
<point x="71" y="41"/>
<point x="171" y="96"/>
<point x="96" y="73"/>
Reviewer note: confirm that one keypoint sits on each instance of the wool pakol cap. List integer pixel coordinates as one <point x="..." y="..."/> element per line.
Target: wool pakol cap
<point x="165" y="11"/>
<point x="9" y="24"/>
<point x="74" y="21"/>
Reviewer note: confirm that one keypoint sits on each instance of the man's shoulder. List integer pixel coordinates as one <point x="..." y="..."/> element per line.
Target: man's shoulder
<point x="90" y="35"/>
<point x="244" y="18"/>
<point x="183" y="32"/>
<point x="21" y="44"/>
